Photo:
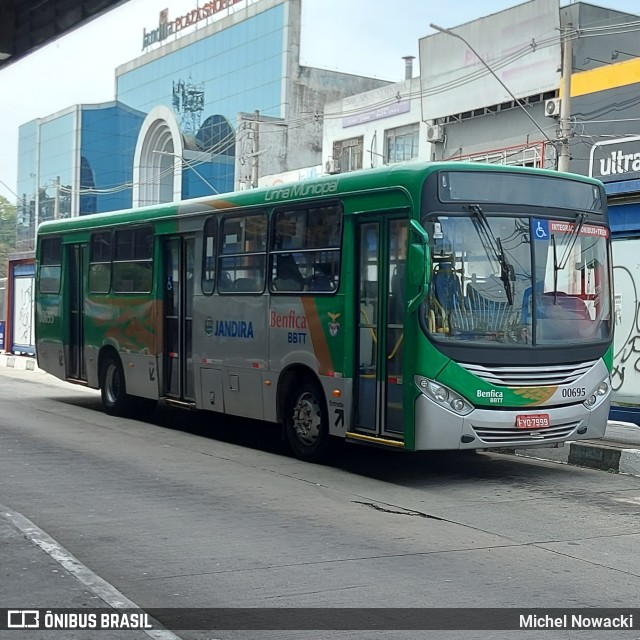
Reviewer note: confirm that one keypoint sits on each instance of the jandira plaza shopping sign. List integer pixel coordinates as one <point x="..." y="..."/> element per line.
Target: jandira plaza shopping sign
<point x="168" y="27"/>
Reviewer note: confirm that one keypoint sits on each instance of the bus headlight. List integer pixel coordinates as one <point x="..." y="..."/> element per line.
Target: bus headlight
<point x="440" y="393"/>
<point x="443" y="396"/>
<point x="597" y="396"/>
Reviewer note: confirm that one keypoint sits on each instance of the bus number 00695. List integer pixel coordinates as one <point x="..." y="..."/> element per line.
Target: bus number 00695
<point x="577" y="392"/>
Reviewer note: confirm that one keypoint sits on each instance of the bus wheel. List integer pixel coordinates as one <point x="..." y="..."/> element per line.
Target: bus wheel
<point x="306" y="423"/>
<point x="115" y="400"/>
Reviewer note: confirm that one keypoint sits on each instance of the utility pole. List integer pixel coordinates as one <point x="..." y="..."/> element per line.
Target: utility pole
<point x="565" y="103"/>
<point x="256" y="152"/>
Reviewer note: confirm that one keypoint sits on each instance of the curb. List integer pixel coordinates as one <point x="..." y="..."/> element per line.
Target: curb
<point x="614" y="458"/>
<point x="23" y="363"/>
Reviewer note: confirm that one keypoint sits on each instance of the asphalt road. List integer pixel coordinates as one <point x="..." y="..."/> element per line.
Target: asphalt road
<point x="199" y="510"/>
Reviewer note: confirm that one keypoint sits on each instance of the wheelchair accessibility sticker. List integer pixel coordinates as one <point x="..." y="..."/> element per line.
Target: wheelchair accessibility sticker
<point x="540" y="229"/>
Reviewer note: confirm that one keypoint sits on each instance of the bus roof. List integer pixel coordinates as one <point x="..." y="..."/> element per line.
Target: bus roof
<point x="409" y="175"/>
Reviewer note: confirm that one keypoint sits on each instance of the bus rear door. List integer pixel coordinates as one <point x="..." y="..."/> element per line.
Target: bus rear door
<point x="178" y="287"/>
<point x="75" y="279"/>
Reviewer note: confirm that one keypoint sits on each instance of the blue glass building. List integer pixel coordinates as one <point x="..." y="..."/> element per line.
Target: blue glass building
<point x="75" y="161"/>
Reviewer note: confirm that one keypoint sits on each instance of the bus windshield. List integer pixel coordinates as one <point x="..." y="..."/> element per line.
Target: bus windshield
<point x="517" y="279"/>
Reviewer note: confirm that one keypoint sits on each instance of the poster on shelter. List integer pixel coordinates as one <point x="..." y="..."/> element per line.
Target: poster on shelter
<point x="23" y="338"/>
<point x="625" y="377"/>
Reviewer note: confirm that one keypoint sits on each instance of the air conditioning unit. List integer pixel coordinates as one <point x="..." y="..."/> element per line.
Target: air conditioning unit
<point x="331" y="166"/>
<point x="552" y="107"/>
<point x="435" y="133"/>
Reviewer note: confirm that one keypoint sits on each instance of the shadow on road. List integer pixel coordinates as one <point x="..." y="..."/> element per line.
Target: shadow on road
<point x="397" y="467"/>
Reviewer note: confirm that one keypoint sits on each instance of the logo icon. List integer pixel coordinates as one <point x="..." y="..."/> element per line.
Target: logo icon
<point x="23" y="619"/>
<point x="334" y="326"/>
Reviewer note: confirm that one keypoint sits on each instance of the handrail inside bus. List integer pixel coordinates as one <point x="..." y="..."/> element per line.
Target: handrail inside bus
<point x="374" y="337"/>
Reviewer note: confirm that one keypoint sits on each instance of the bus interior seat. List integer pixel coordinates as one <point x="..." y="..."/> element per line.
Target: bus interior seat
<point x="288" y="277"/>
<point x="245" y="285"/>
<point x="447" y="288"/>
<point x="573" y="307"/>
<point x="225" y="282"/>
<point x="320" y="282"/>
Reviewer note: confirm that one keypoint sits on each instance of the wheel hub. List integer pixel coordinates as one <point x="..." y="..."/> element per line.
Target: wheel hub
<point x="306" y="419"/>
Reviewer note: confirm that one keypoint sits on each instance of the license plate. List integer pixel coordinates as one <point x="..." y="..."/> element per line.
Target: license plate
<point x="533" y="421"/>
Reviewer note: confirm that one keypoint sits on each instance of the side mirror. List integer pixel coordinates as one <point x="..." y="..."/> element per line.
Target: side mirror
<point x="419" y="256"/>
<point x="418" y="263"/>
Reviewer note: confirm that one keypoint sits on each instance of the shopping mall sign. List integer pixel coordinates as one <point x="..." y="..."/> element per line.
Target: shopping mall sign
<point x="168" y="27"/>
<point x="616" y="160"/>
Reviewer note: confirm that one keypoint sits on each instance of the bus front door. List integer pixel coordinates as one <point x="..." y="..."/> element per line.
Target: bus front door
<point x="178" y="313"/>
<point x="379" y="352"/>
<point x="75" y="281"/>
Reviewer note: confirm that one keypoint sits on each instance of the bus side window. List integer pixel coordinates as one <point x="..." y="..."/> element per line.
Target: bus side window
<point x="100" y="262"/>
<point x="132" y="267"/>
<point x="208" y="256"/>
<point x="242" y="253"/>
<point x="305" y="249"/>
<point x="50" y="265"/>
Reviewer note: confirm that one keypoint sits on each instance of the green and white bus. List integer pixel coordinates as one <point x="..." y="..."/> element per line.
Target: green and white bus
<point x="420" y="306"/>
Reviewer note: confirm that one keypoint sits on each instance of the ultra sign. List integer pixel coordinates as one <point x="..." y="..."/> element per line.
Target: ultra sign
<point x="615" y="160"/>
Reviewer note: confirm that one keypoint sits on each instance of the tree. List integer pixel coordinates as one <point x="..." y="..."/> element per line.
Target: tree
<point x="7" y="233"/>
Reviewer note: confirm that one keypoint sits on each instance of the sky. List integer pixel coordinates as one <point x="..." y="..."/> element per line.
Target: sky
<point x="362" y="37"/>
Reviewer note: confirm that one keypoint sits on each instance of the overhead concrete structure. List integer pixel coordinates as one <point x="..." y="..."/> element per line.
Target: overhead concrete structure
<point x="26" y="26"/>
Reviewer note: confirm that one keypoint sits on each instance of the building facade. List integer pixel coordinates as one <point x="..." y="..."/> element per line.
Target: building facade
<point x="375" y="128"/>
<point x="199" y="113"/>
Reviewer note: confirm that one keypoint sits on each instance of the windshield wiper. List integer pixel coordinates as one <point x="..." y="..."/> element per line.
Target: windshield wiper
<point x="562" y="263"/>
<point x="507" y="273"/>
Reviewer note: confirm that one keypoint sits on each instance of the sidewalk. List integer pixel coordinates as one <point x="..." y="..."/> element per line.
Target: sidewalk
<point x="23" y="363"/>
<point x="617" y="452"/>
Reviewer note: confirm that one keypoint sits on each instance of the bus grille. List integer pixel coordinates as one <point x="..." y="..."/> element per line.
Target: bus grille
<point x="540" y="376"/>
<point x="492" y="435"/>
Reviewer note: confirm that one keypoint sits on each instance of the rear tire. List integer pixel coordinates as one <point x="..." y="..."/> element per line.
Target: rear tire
<point x="113" y="389"/>
<point x="306" y="423"/>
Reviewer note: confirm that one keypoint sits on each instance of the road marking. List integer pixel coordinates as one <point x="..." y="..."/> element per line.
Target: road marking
<point x="635" y="500"/>
<point x="100" y="587"/>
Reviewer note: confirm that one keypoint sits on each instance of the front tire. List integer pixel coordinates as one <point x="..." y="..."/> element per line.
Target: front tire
<point x="113" y="389"/>
<point x="306" y="423"/>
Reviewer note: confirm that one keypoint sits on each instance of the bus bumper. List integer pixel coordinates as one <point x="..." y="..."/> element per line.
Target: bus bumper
<point x="440" y="429"/>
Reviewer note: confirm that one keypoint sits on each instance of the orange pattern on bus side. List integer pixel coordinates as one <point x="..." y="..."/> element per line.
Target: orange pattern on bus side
<point x="318" y="338"/>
